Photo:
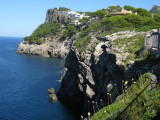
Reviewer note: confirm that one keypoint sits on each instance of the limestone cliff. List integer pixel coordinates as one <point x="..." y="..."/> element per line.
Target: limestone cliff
<point x="91" y="74"/>
<point x="155" y="9"/>
<point x="52" y="47"/>
<point x="89" y="77"/>
<point x="52" y="44"/>
<point x="57" y="16"/>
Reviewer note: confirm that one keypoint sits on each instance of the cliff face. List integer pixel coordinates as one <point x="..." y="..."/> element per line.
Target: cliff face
<point x="155" y="9"/>
<point x="89" y="77"/>
<point x="52" y="47"/>
<point x="57" y="16"/>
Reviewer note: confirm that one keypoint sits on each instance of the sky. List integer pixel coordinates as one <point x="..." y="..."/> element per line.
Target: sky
<point x="19" y="18"/>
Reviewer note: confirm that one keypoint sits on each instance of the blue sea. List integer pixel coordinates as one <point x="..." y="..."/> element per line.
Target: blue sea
<point x="24" y="81"/>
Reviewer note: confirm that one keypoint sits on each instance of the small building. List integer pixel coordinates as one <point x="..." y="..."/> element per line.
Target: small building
<point x="123" y="12"/>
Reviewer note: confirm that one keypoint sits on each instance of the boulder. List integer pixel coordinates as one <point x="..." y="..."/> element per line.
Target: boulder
<point x="52" y="94"/>
<point x="53" y="97"/>
<point x="51" y="91"/>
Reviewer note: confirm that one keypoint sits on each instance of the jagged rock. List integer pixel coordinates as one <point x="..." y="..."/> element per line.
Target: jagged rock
<point x="123" y="34"/>
<point x="89" y="91"/>
<point x="53" y="97"/>
<point x="56" y="16"/>
<point x="51" y="48"/>
<point x="52" y="94"/>
<point x="155" y="76"/>
<point x="154" y="81"/>
<point x="51" y="91"/>
<point x="87" y="77"/>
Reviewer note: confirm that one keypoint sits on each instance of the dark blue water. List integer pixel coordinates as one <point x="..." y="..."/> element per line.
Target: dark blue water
<point x="24" y="81"/>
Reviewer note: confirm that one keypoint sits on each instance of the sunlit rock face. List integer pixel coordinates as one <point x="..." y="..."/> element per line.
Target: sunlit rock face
<point x="89" y="77"/>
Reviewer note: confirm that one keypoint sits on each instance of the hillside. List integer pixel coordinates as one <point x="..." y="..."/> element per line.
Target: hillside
<point x="102" y="50"/>
<point x="140" y="101"/>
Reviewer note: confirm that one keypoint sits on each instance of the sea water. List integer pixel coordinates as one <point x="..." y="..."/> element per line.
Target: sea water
<point x="24" y="81"/>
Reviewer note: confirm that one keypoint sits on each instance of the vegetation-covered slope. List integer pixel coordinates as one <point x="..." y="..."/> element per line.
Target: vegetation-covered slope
<point x="44" y="30"/>
<point x="138" y="102"/>
<point x="99" y="23"/>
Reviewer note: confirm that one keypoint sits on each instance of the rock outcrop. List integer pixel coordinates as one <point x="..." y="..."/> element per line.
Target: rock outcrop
<point x="53" y="47"/>
<point x="89" y="77"/>
<point x="52" y="95"/>
<point x="155" y="9"/>
<point x="57" y="16"/>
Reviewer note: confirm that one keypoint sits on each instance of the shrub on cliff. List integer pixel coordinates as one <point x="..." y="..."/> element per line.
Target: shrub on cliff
<point x="112" y="9"/>
<point x="143" y="12"/>
<point x="157" y="17"/>
<point x="135" y="20"/>
<point x="70" y="31"/>
<point x="82" y="43"/>
<point x="46" y="29"/>
<point x="84" y="20"/>
<point x="129" y="8"/>
<point x="63" y="9"/>
<point x="101" y="14"/>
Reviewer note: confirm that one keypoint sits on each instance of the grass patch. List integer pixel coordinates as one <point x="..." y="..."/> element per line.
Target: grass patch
<point x="82" y="43"/>
<point x="133" y="45"/>
<point x="140" y="103"/>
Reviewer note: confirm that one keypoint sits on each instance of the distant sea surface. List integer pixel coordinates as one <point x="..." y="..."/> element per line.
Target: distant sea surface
<point x="24" y="81"/>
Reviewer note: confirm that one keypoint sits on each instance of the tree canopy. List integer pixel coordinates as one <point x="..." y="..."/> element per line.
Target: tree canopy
<point x="46" y="29"/>
<point x="129" y="8"/>
<point x="143" y="12"/>
<point x="63" y="9"/>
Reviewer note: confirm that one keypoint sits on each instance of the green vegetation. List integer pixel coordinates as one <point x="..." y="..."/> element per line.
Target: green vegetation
<point x="69" y="31"/>
<point x="130" y="8"/>
<point x="44" y="30"/>
<point x="157" y="17"/>
<point x="105" y="25"/>
<point x="81" y="44"/>
<point x="84" y="20"/>
<point x="113" y="9"/>
<point x="133" y="45"/>
<point x="143" y="12"/>
<point x="63" y="9"/>
<point x="138" y="103"/>
<point x="99" y="13"/>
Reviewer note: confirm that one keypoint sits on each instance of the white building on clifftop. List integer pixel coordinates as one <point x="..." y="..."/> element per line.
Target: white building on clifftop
<point x="76" y="15"/>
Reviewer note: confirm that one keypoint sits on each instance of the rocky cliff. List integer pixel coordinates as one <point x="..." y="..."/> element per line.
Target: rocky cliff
<point x="95" y="66"/>
<point x="57" y="16"/>
<point x="52" y="47"/>
<point x="53" y="44"/>
<point x="155" y="9"/>
<point x="89" y="76"/>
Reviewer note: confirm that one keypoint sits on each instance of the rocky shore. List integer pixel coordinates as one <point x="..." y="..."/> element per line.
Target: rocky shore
<point x="51" y="48"/>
